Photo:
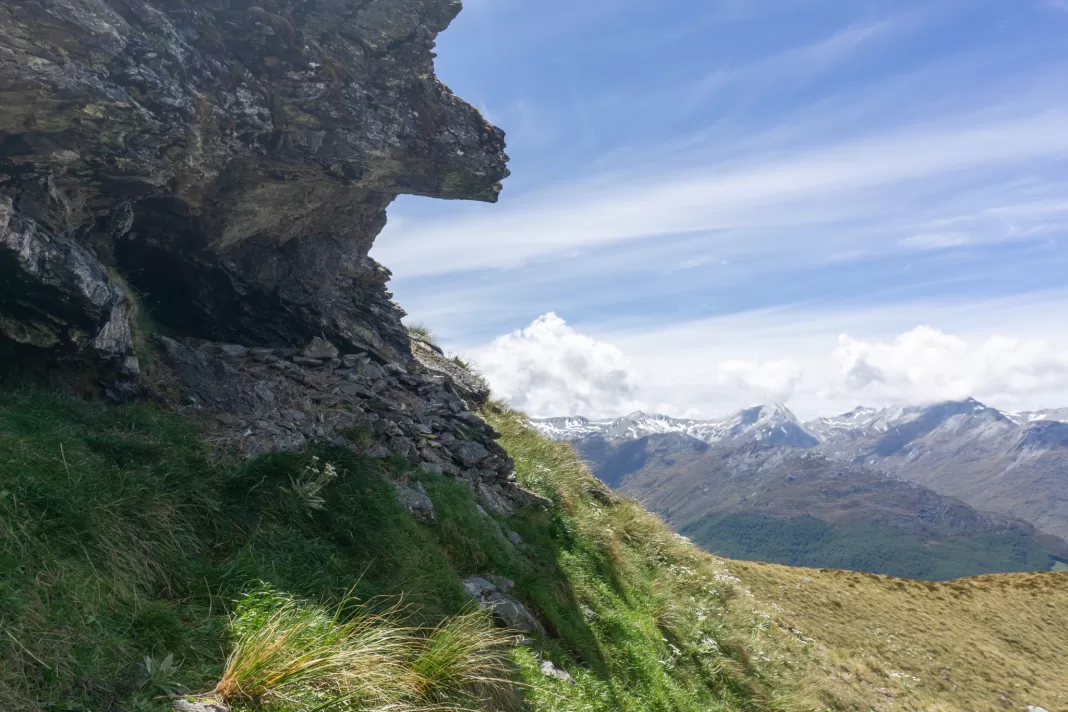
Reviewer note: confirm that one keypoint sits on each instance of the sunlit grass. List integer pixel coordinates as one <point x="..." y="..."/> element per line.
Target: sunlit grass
<point x="983" y="643"/>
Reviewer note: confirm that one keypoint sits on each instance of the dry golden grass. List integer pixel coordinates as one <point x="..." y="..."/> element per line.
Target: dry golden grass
<point x="997" y="642"/>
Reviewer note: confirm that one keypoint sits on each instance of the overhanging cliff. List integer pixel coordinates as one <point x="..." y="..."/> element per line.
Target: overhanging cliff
<point x="228" y="161"/>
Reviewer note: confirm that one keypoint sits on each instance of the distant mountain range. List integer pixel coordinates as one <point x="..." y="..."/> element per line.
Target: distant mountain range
<point x="935" y="491"/>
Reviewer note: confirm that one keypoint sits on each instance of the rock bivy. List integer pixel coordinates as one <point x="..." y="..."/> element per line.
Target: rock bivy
<point x="509" y="612"/>
<point x="231" y="160"/>
<point x="230" y="164"/>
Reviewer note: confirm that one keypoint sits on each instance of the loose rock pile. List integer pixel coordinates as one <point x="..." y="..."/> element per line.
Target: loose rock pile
<point x="259" y="400"/>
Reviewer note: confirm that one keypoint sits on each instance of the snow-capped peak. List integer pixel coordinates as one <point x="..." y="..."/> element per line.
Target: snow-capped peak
<point x="771" y="423"/>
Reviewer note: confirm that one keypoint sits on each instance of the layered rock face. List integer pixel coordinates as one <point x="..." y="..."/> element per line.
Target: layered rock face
<point x="226" y="166"/>
<point x="231" y="160"/>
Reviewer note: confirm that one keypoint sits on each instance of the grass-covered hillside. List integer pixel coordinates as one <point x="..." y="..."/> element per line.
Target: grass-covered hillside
<point x="135" y="562"/>
<point x="996" y="642"/>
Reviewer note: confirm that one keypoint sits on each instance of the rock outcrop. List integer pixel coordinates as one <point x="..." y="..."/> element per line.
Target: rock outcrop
<point x="232" y="161"/>
<point x="224" y="166"/>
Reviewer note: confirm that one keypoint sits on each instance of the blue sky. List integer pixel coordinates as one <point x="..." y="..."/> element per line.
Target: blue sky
<point x="701" y="184"/>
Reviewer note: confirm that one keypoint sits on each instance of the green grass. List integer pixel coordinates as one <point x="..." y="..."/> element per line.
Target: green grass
<point x="125" y="543"/>
<point x="880" y="549"/>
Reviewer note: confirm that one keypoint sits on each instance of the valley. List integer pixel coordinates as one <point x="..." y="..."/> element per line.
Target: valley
<point x="933" y="492"/>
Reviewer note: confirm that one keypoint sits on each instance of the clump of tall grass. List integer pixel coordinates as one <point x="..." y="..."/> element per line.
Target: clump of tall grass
<point x="423" y="332"/>
<point x="297" y="655"/>
<point x="465" y="661"/>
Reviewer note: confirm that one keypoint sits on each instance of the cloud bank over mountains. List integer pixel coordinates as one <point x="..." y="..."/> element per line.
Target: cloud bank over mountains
<point x="550" y="368"/>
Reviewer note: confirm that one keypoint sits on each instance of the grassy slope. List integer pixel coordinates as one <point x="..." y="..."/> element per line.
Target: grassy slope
<point x="122" y="536"/>
<point x="984" y="643"/>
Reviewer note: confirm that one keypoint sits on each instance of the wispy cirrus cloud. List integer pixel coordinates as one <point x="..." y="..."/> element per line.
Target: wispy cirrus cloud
<point x="827" y="184"/>
<point x="686" y="172"/>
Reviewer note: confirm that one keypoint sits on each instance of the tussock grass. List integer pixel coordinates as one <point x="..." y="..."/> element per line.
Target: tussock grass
<point x="465" y="661"/>
<point x="296" y="655"/>
<point x="423" y="331"/>
<point x="286" y="650"/>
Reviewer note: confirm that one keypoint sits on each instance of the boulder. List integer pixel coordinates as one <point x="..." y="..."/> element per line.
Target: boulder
<point x="416" y="501"/>
<point x="508" y="612"/>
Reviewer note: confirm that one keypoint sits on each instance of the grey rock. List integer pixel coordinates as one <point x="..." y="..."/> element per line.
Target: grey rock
<point x="194" y="705"/>
<point x="470" y="454"/>
<point x="56" y="298"/>
<point x="234" y="350"/>
<point x="320" y="348"/>
<point x="549" y="670"/>
<point x="514" y="537"/>
<point x="418" y="504"/>
<point x="502" y="583"/>
<point x="1032" y="708"/>
<point x="511" y="613"/>
<point x="506" y="610"/>
<point x="208" y="153"/>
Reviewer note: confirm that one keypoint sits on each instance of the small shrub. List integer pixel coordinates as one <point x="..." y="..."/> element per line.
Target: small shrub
<point x="161" y="676"/>
<point x="306" y="489"/>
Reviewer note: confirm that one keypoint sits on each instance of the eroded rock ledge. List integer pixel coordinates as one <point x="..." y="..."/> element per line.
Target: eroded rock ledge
<point x="230" y="161"/>
<point x="224" y="166"/>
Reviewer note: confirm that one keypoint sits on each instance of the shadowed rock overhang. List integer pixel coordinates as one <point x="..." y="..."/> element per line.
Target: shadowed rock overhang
<point x="229" y="162"/>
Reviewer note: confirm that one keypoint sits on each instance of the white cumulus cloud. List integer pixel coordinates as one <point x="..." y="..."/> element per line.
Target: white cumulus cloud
<point x="548" y="368"/>
<point x="769" y="380"/>
<point x="926" y="365"/>
<point x="711" y="369"/>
